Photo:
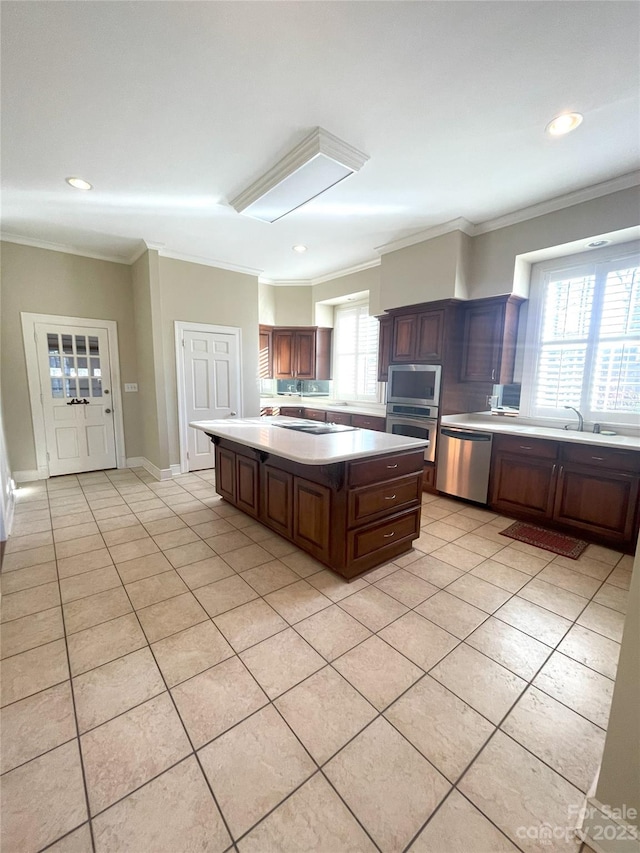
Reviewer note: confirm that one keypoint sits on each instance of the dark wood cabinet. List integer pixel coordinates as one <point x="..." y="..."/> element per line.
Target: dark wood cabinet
<point x="247" y="485"/>
<point x="341" y="418"/>
<point x="226" y="473"/>
<point x="385" y="339"/>
<point x="292" y="411"/>
<point x="351" y="516"/>
<point x="265" y="361"/>
<point x="489" y="335"/>
<point x="585" y="489"/>
<point x="368" y="422"/>
<point x="312" y="517"/>
<point x="418" y="337"/>
<point x="315" y="414"/>
<point x="598" y="491"/>
<point x="301" y="353"/>
<point x="277" y="500"/>
<point x="523" y="485"/>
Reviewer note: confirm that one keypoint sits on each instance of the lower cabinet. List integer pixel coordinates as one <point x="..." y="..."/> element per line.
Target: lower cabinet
<point x="588" y="490"/>
<point x="346" y="418"/>
<point x="351" y="516"/>
<point x="312" y="517"/>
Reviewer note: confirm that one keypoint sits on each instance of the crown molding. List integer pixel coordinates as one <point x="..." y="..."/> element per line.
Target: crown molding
<point x="459" y="224"/>
<point x="623" y="182"/>
<point x="61" y="247"/>
<point x="367" y="265"/>
<point x="208" y="262"/>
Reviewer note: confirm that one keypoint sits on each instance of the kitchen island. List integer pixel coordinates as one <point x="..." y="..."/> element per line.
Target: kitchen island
<point x="349" y="497"/>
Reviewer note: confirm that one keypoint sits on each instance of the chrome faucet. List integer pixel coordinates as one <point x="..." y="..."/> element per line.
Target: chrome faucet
<point x="580" y="418"/>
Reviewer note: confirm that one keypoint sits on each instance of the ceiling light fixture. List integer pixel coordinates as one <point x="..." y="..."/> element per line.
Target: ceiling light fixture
<point x="299" y="249"/>
<point x="79" y="183"/>
<point x="564" y="123"/>
<point x="319" y="162"/>
<point x="596" y="244"/>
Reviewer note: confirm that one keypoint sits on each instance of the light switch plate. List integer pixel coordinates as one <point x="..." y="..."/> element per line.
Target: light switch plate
<point x="130" y="386"/>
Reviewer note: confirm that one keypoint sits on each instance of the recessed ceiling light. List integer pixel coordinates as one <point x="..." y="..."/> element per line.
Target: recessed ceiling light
<point x="299" y="249"/>
<point x="79" y="183"/>
<point x="564" y="123"/>
<point x="595" y="244"/>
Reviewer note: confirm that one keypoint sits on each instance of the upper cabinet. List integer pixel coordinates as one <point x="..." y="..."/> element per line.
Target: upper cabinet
<point x="489" y="333"/>
<point x="265" y="366"/>
<point x="301" y="353"/>
<point x="384" y="346"/>
<point x="418" y="337"/>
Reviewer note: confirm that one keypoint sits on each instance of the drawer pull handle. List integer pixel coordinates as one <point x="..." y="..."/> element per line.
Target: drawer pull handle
<point x="392" y="466"/>
<point x="525" y="447"/>
<point x="388" y="535"/>
<point x="391" y="498"/>
<point x="598" y="458"/>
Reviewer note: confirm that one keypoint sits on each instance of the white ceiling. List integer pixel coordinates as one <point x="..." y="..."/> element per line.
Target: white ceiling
<point x="170" y="109"/>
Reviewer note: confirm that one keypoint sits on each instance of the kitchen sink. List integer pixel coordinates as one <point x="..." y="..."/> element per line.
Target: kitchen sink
<point x="317" y="429"/>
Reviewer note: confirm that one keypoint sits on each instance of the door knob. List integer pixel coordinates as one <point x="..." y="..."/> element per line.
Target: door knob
<point x="233" y="414"/>
<point x="107" y="411"/>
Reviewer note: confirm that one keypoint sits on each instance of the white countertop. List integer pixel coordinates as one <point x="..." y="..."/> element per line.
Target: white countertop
<point x="264" y="434"/>
<point x="514" y="426"/>
<point x="325" y="404"/>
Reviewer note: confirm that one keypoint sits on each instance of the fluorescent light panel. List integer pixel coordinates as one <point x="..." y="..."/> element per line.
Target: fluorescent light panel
<point x="319" y="162"/>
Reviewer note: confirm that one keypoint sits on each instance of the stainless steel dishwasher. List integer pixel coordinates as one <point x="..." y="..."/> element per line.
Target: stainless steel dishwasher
<point x="464" y="459"/>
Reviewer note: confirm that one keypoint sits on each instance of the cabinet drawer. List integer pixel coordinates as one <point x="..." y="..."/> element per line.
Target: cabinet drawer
<point x="369" y="502"/>
<point x="385" y="468"/>
<point x="368" y="422"/>
<point x="291" y="411"/>
<point x="339" y="418"/>
<point x="601" y="457"/>
<point x="525" y="447"/>
<point x="375" y="537"/>
<point x="315" y="414"/>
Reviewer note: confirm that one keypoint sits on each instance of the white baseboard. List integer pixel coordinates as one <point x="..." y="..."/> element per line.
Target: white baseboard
<point x="175" y="470"/>
<point x="604" y="832"/>
<point x="157" y="473"/>
<point x="30" y="476"/>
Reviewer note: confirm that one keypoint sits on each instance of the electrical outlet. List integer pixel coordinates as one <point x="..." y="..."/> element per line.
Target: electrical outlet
<point x="130" y="386"/>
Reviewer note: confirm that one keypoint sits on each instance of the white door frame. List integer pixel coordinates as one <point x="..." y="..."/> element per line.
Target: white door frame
<point x="33" y="378"/>
<point x="181" y="327"/>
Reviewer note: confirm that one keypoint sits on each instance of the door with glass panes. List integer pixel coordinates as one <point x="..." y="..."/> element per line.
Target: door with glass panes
<point x="75" y="382"/>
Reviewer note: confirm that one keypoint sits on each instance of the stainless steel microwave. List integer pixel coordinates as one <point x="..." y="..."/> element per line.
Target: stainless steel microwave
<point x="414" y="383"/>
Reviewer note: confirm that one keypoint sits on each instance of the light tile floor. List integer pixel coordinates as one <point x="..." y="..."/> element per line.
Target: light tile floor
<point x="178" y="678"/>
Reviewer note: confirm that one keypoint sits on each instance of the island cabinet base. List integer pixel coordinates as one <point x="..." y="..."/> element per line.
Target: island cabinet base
<point x="352" y="516"/>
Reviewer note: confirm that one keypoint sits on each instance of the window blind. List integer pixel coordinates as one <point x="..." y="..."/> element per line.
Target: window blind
<point x="355" y="362"/>
<point x="588" y="353"/>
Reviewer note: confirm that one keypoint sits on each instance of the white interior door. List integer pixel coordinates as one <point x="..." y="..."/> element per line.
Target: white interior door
<point x="76" y="394"/>
<point x="211" y="387"/>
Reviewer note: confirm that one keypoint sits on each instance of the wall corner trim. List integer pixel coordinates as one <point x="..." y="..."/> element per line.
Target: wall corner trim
<point x="157" y="473"/>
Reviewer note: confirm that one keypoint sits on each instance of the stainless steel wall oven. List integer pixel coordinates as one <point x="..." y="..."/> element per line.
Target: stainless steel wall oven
<point x="415" y="422"/>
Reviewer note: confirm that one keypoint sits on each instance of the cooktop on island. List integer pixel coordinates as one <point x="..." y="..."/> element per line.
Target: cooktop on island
<point x="317" y="429"/>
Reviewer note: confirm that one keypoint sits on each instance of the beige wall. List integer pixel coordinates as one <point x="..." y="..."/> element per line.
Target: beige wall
<point x="141" y="275"/>
<point x="345" y="285"/>
<point x="203" y="294"/>
<point x="267" y="304"/>
<point x="423" y="272"/>
<point x="619" y="780"/>
<point x="293" y="306"/>
<point x="493" y="255"/>
<point x="45" y="282"/>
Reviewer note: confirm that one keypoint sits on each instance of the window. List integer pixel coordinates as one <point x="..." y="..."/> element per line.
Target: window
<point x="585" y="327"/>
<point x="355" y="353"/>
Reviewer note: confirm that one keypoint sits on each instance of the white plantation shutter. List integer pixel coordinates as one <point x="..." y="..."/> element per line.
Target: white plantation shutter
<point x="355" y="354"/>
<point x="588" y="349"/>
